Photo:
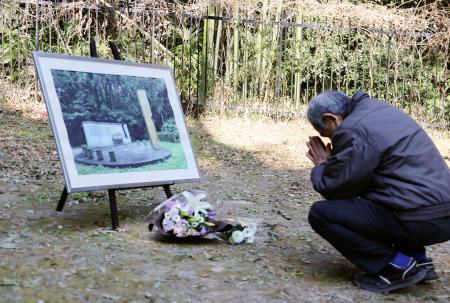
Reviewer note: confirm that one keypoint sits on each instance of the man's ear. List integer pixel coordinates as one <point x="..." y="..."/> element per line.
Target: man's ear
<point x="332" y="119"/>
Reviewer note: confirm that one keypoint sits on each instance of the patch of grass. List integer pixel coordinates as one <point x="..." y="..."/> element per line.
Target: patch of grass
<point x="46" y="198"/>
<point x="25" y="130"/>
<point x="176" y="161"/>
<point x="42" y="198"/>
<point x="33" y="134"/>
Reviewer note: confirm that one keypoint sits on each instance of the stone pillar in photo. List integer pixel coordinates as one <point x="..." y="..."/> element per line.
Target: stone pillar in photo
<point x="147" y="112"/>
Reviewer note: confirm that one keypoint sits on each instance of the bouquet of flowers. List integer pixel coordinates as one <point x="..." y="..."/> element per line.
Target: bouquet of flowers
<point x="188" y="215"/>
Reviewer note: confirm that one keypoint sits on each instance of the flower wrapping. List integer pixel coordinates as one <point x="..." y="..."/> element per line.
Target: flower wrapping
<point x="186" y="215"/>
<point x="189" y="215"/>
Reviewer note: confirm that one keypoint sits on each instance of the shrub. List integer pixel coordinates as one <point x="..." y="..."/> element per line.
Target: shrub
<point x="169" y="132"/>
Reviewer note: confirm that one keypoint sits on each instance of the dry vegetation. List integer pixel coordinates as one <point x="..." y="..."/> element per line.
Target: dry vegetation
<point x="433" y="17"/>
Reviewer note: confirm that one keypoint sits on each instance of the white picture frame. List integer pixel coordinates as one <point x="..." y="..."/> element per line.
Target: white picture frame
<point x="131" y="115"/>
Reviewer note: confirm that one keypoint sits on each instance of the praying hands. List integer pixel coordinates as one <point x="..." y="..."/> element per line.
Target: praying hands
<point x="318" y="152"/>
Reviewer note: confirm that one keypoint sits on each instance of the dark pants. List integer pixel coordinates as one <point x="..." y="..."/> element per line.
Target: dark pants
<point x="370" y="235"/>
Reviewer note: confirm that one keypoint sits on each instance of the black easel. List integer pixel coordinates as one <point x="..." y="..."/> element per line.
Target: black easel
<point x="111" y="192"/>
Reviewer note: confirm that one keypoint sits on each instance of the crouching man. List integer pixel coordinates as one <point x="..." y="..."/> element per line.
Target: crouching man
<point x="386" y="186"/>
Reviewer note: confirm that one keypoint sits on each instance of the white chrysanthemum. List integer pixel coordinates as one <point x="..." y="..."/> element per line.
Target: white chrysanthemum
<point x="192" y="232"/>
<point x="170" y="214"/>
<point x="180" y="228"/>
<point x="176" y="218"/>
<point x="173" y="211"/>
<point x="167" y="224"/>
<point x="237" y="237"/>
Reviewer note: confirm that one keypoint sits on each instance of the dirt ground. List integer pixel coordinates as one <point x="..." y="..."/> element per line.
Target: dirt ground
<point x="258" y="169"/>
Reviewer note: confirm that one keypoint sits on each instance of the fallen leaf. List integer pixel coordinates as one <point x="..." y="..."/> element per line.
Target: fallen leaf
<point x="205" y="274"/>
<point x="111" y="297"/>
<point x="8" y="282"/>
<point x="8" y="245"/>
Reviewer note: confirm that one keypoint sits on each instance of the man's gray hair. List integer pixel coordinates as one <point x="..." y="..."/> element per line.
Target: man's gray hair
<point x="332" y="102"/>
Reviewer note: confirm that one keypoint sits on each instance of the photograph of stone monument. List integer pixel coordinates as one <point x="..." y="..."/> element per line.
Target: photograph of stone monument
<point x="118" y="123"/>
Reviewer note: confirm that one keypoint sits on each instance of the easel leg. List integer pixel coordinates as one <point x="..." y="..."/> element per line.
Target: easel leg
<point x="62" y="199"/>
<point x="168" y="191"/>
<point x="113" y="207"/>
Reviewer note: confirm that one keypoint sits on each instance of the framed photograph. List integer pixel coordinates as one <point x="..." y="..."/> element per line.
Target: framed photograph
<point x="116" y="124"/>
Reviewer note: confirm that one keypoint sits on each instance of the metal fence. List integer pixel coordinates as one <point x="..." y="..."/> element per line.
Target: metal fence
<point x="271" y="65"/>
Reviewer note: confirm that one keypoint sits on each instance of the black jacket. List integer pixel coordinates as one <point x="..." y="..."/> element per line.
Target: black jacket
<point x="381" y="154"/>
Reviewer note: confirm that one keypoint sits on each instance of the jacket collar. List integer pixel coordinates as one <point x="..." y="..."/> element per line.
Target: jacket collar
<point x="357" y="97"/>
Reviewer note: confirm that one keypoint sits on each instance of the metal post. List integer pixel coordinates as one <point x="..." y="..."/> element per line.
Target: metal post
<point x="363" y="86"/>
<point x="371" y="66"/>
<point x="403" y="76"/>
<point x="388" y="67"/>
<point x="36" y="47"/>
<point x="411" y="81"/>
<point x="142" y="37"/>
<point x="316" y="60"/>
<point x="308" y="53"/>
<point x="349" y="38"/>
<point x="277" y="108"/>
<point x="198" y="60"/>
<point x="205" y="43"/>
<point x="260" y="67"/>
<point x="244" y="82"/>
<point x="18" y="56"/>
<point x="381" y="47"/>
<point x="26" y="45"/>
<point x="167" y="191"/>
<point x="294" y="42"/>
<point x="356" y="65"/>
<point x="332" y="56"/>
<point x="11" y="72"/>
<point x="166" y="50"/>
<point x="62" y="199"/>
<point x="300" y="63"/>
<point x="174" y="24"/>
<point x="3" y="44"/>
<point x="340" y="57"/>
<point x="50" y="13"/>
<point x="97" y="37"/>
<point x="153" y="37"/>
<point x="113" y="208"/>
<point x="190" y="60"/>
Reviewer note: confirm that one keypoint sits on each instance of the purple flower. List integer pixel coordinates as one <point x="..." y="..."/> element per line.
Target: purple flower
<point x="212" y="214"/>
<point x="203" y="231"/>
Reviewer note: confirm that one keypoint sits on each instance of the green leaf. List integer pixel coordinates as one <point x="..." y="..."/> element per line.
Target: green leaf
<point x="209" y="224"/>
<point x="184" y="213"/>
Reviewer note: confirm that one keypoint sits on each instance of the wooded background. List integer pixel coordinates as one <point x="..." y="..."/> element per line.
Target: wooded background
<point x="269" y="57"/>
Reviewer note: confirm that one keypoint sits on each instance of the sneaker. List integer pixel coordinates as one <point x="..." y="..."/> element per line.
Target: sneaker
<point x="429" y="267"/>
<point x="391" y="278"/>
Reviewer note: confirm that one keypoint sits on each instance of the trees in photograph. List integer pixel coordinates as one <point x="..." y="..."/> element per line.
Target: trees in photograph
<point x="109" y="98"/>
